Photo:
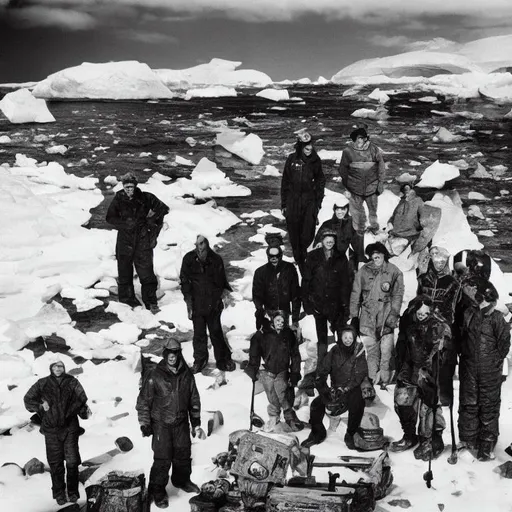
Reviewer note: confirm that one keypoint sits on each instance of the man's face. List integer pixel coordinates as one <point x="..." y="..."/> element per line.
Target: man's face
<point x="58" y="369"/>
<point x="423" y="313"/>
<point x="438" y="262"/>
<point x="201" y="244"/>
<point x="129" y="188"/>
<point x="308" y="149"/>
<point x="360" y="141"/>
<point x="172" y="358"/>
<point x="278" y="323"/>
<point x="328" y="242"/>
<point x="273" y="256"/>
<point x="378" y="259"/>
<point x="340" y="213"/>
<point x="347" y="338"/>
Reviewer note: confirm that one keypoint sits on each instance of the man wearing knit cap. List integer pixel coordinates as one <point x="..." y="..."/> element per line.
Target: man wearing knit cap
<point x="168" y="402"/>
<point x="138" y="217"/>
<point x="58" y="399"/>
<point x="363" y="171"/>
<point x="203" y="284"/>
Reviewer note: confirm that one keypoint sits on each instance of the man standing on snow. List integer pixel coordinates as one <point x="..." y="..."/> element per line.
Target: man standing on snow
<point x="138" y="217"/>
<point x="302" y="193"/>
<point x="363" y="171"/>
<point x="203" y="284"/>
<point x="276" y="287"/>
<point x="58" y="399"/>
<point x="167" y="402"/>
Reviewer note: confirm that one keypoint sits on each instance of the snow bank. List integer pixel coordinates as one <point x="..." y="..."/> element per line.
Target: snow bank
<point x="274" y="94"/>
<point x="248" y="147"/>
<point x="22" y="107"/>
<point x="211" y="92"/>
<point x="215" y="72"/>
<point x="124" y="80"/>
<point x="437" y="174"/>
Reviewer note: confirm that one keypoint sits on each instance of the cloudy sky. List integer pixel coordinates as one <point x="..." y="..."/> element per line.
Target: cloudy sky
<point x="284" y="38"/>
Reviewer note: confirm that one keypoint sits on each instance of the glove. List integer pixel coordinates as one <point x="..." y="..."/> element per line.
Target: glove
<point x="391" y="321"/>
<point x="199" y="432"/>
<point x="354" y="322"/>
<point x="146" y="430"/>
<point x="189" y="310"/>
<point x="85" y="412"/>
<point x="294" y="379"/>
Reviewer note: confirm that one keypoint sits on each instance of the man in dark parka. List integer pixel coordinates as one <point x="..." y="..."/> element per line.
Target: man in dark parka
<point x="138" y="217"/>
<point x="302" y="192"/>
<point x="167" y="403"/>
<point x="58" y="399"/>
<point x="203" y="283"/>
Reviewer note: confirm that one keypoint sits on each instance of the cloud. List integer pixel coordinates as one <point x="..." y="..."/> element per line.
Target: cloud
<point x="39" y="16"/>
<point x="390" y="41"/>
<point x="146" y="37"/>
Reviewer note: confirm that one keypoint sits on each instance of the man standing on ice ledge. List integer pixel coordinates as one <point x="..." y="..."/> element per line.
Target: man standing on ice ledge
<point x="138" y="217"/>
<point x="203" y="284"/>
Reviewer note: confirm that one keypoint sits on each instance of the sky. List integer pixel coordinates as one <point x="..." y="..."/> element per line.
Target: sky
<point x="283" y="38"/>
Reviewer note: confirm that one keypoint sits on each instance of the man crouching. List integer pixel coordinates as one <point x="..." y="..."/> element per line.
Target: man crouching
<point x="167" y="401"/>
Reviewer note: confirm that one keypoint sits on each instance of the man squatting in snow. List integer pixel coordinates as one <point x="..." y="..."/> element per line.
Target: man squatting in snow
<point x="138" y="217"/>
<point x="168" y="405"/>
<point x="58" y="399"/>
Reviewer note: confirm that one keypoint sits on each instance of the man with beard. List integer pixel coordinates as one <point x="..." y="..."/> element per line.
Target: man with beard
<point x="326" y="289"/>
<point x="167" y="402"/>
<point x="346" y="236"/>
<point x="138" y="217"/>
<point x="58" y="399"/>
<point x="485" y="344"/>
<point x="346" y="365"/>
<point x="363" y="171"/>
<point x="438" y="284"/>
<point x="276" y="287"/>
<point x="375" y="305"/>
<point x="203" y="284"/>
<point x="302" y="193"/>
<point x="423" y="337"/>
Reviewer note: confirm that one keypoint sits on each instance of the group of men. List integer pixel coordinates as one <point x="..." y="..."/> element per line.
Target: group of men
<point x="357" y="292"/>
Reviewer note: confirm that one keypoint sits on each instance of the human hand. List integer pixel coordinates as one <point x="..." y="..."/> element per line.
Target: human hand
<point x="150" y="214"/>
<point x="46" y="406"/>
<point x="189" y="310"/>
<point x="199" y="432"/>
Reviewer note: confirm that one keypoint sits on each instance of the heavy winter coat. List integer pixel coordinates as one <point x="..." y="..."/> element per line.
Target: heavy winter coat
<point x="202" y="282"/>
<point x="417" y="345"/>
<point x="442" y="288"/>
<point x="363" y="171"/>
<point x="406" y="218"/>
<point x="303" y="183"/>
<point x="66" y="398"/>
<point x="376" y="298"/>
<point x="326" y="283"/>
<point x="275" y="287"/>
<point x="169" y="398"/>
<point x="346" y="368"/>
<point x="279" y="351"/>
<point x="346" y="235"/>
<point x="129" y="216"/>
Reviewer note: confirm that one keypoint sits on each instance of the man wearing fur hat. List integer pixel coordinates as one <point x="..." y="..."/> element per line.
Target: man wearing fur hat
<point x="277" y="346"/>
<point x="326" y="289"/>
<point x="375" y="304"/>
<point x="347" y="238"/>
<point x="203" y="284"/>
<point x="363" y="171"/>
<point x="346" y="365"/>
<point x="138" y="217"/>
<point x="58" y="399"/>
<point x="302" y="193"/>
<point x="168" y="405"/>
<point x="275" y="286"/>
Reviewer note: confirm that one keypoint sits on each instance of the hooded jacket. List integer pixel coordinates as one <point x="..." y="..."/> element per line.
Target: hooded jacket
<point x="66" y="398"/>
<point x="376" y="298"/>
<point x="279" y="351"/>
<point x="326" y="283"/>
<point x="346" y="235"/>
<point x="169" y="398"/>
<point x="274" y="288"/>
<point x="406" y="217"/>
<point x="363" y="171"/>
<point x="129" y="216"/>
<point x="203" y="282"/>
<point x="303" y="183"/>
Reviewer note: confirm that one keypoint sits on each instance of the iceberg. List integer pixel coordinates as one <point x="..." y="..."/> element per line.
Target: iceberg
<point x="125" y="80"/>
<point x="22" y="107"/>
<point x="437" y="174"/>
<point x="215" y="72"/>
<point x="248" y="147"/>
<point x="274" y="94"/>
<point x="219" y="91"/>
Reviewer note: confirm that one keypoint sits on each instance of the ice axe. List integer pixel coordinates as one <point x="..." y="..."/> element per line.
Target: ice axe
<point x="256" y="421"/>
